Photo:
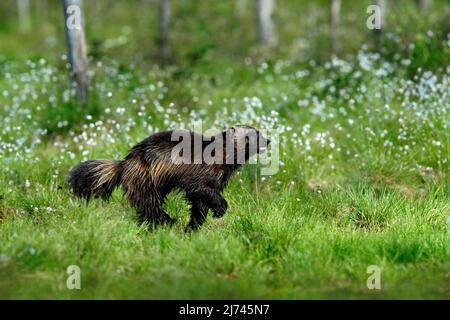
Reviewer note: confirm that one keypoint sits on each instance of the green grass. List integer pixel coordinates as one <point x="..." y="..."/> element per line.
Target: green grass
<point x="268" y="247"/>
<point x="363" y="177"/>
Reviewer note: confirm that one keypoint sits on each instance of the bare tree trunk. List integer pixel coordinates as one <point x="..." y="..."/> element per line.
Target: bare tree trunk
<point x="23" y="8"/>
<point x="164" y="22"/>
<point x="334" y="25"/>
<point x="378" y="32"/>
<point x="424" y="4"/>
<point x="264" y="10"/>
<point x="42" y="9"/>
<point x="240" y="8"/>
<point x="76" y="47"/>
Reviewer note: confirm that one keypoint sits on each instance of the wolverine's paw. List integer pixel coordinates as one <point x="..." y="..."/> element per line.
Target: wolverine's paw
<point x="155" y="221"/>
<point x="193" y="225"/>
<point x="166" y="220"/>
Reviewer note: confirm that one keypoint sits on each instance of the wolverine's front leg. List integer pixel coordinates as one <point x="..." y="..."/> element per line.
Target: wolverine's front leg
<point x="199" y="212"/>
<point x="202" y="200"/>
<point x="219" y="205"/>
<point x="212" y="199"/>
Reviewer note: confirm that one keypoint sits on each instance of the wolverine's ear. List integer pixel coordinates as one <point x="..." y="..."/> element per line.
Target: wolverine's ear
<point x="232" y="130"/>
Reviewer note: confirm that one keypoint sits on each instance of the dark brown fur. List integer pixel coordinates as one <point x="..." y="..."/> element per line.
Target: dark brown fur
<point x="148" y="175"/>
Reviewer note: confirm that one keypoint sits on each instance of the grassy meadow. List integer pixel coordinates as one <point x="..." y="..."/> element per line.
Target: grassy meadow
<point x="364" y="146"/>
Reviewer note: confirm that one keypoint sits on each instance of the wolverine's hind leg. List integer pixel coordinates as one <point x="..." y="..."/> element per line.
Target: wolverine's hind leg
<point x="150" y="210"/>
<point x="143" y="193"/>
<point x="148" y="204"/>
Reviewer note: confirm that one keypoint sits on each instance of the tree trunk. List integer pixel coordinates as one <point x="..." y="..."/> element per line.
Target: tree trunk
<point x="23" y="8"/>
<point x="42" y="9"/>
<point x="164" y="22"/>
<point x="76" y="48"/>
<point x="424" y="4"/>
<point x="240" y="8"/>
<point x="264" y="10"/>
<point x="378" y="32"/>
<point x="334" y="25"/>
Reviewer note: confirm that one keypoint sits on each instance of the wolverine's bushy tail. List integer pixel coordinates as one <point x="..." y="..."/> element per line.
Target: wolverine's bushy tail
<point x="95" y="178"/>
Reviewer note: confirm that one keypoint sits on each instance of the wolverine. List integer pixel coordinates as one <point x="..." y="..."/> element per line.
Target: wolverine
<point x="199" y="165"/>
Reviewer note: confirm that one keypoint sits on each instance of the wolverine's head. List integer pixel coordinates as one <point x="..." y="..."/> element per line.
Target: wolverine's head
<point x="245" y="141"/>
